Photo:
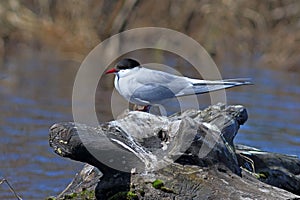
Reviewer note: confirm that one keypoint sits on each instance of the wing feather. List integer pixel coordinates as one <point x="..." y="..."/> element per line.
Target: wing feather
<point x="152" y="86"/>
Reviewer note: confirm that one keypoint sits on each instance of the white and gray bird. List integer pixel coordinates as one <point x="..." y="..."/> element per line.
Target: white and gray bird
<point x="144" y="87"/>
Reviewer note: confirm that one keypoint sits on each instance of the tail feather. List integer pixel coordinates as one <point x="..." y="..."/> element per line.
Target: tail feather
<point x="204" y="86"/>
<point x="238" y="81"/>
<point x="245" y="81"/>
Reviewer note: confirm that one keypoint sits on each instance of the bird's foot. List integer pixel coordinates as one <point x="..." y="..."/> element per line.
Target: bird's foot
<point x="141" y="108"/>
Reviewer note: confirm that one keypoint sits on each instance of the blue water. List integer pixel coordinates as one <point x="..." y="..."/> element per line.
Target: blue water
<point x="32" y="99"/>
<point x="37" y="93"/>
<point x="273" y="105"/>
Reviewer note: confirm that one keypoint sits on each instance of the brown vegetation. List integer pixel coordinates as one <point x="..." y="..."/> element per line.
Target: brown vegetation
<point x="266" y="32"/>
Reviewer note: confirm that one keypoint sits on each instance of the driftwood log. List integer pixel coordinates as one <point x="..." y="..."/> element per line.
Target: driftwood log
<point x="189" y="155"/>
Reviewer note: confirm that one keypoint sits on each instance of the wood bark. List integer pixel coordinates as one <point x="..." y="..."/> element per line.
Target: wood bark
<point x="191" y="153"/>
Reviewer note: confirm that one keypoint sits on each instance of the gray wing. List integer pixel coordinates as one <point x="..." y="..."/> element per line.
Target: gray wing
<point x="163" y="85"/>
<point x="148" y="76"/>
<point x="157" y="85"/>
<point x="153" y="93"/>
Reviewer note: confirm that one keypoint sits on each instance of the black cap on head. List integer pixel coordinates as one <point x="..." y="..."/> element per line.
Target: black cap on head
<point x="127" y="63"/>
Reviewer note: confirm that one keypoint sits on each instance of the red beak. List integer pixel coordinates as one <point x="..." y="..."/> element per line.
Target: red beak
<point x="113" y="70"/>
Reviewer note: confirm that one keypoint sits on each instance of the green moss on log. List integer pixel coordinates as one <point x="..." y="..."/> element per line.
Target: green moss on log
<point x="157" y="184"/>
<point x="130" y="195"/>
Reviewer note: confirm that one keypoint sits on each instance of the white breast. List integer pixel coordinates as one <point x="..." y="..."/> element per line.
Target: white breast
<point x="125" y="83"/>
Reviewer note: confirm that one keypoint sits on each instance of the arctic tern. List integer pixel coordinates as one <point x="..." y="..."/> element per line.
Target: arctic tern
<point x="146" y="87"/>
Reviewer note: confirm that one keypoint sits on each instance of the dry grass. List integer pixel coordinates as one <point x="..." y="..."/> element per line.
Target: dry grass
<point x="266" y="32"/>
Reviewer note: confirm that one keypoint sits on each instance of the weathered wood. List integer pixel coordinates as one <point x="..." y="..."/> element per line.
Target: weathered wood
<point x="192" y="152"/>
<point x="272" y="168"/>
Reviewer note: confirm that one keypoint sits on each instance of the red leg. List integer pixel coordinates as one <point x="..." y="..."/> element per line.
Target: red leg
<point x="142" y="108"/>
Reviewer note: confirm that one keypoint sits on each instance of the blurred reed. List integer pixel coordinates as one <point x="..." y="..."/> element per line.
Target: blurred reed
<point x="267" y="32"/>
